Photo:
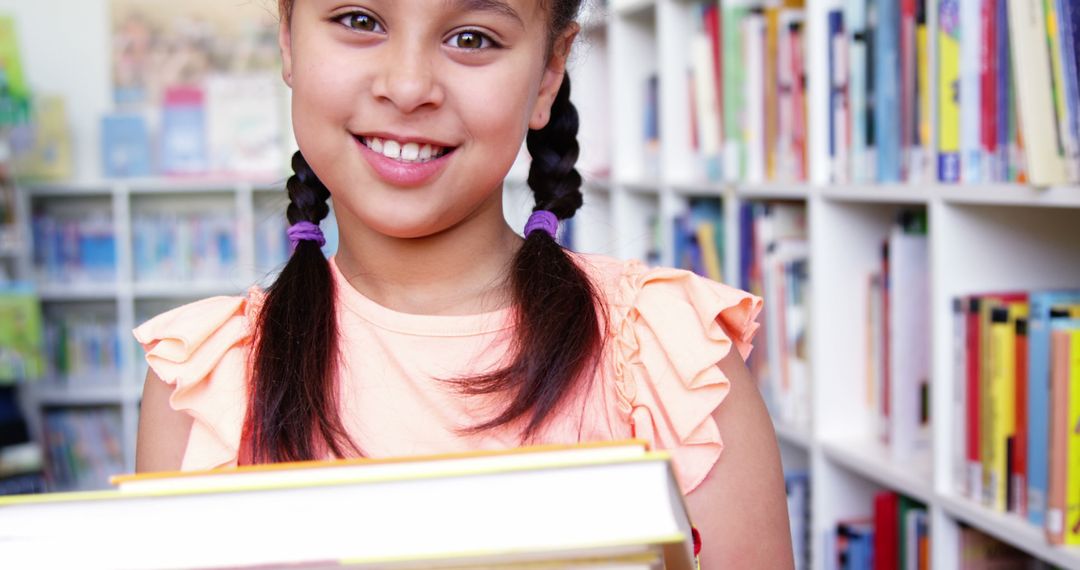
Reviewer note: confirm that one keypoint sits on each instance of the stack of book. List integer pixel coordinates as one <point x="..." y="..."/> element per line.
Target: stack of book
<point x="544" y="507"/>
<point x="895" y="536"/>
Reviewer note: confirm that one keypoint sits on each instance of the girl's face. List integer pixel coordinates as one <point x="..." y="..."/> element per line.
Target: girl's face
<point x="412" y="111"/>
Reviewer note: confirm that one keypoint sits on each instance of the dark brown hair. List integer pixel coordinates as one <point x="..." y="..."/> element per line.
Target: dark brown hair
<point x="293" y="411"/>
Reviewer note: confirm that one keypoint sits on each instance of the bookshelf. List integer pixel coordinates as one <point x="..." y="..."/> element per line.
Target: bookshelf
<point x="633" y="189"/>
<point x="973" y="228"/>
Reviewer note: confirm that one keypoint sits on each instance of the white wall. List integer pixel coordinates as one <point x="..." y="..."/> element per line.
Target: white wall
<point x="64" y="46"/>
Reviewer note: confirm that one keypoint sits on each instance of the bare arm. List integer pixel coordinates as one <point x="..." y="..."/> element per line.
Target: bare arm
<point x="163" y="431"/>
<point x="741" y="507"/>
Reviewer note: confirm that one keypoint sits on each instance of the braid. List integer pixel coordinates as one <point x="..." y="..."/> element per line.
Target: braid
<point x="554" y="150"/>
<point x="293" y="412"/>
<point x="307" y="194"/>
<point x="558" y="313"/>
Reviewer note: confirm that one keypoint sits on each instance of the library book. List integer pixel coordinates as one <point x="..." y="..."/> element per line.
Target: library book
<point x="596" y="506"/>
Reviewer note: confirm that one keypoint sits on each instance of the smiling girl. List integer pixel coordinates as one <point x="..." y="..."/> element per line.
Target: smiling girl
<point x="436" y="327"/>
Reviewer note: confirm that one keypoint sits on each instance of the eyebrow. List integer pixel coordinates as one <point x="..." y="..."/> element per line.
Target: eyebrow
<point x="499" y="7"/>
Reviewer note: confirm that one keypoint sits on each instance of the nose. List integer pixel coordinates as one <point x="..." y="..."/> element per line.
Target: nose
<point x="408" y="78"/>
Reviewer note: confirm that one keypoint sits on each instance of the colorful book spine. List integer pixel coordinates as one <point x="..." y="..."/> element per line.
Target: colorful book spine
<point x="948" y="94"/>
<point x="887" y="92"/>
<point x="988" y="92"/>
<point x="839" y="130"/>
<point x="1062" y="334"/>
<point x="1072" y="483"/>
<point x="856" y="20"/>
<point x="1038" y="333"/>
<point x="1018" y="459"/>
<point x="734" y="91"/>
<point x="922" y="168"/>
<point x="970" y="89"/>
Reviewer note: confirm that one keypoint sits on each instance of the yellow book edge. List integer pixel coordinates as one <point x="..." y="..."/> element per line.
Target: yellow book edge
<point x="319" y="464"/>
<point x="104" y="495"/>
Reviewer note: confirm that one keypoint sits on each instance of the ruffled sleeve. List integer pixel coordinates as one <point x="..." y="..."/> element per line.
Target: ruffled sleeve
<point x="671" y="330"/>
<point x="202" y="349"/>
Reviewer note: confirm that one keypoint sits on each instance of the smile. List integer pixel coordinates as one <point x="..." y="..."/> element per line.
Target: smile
<point x="404" y="152"/>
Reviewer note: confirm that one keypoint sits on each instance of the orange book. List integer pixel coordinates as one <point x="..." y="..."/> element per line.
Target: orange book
<point x="1059" y="435"/>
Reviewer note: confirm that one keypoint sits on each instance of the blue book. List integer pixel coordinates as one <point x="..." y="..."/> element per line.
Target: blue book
<point x="855" y="16"/>
<point x="1069" y="33"/>
<point x="1040" y="303"/>
<point x="886" y="66"/>
<point x="125" y="145"/>
<point x="1004" y="103"/>
<point x="183" y="132"/>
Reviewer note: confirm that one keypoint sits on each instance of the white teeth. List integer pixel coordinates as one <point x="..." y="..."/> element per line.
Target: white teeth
<point x="408" y="152"/>
<point x="391" y="149"/>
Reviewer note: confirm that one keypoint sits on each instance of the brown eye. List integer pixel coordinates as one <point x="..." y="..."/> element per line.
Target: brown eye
<point x="471" y="40"/>
<point x="360" y="22"/>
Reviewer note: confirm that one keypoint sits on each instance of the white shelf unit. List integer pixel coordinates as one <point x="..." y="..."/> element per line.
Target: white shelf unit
<point x="982" y="238"/>
<point x="127" y="298"/>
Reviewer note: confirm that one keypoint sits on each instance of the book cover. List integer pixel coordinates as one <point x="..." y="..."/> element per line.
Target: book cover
<point x="839" y="125"/>
<point x="949" y="61"/>
<point x="886" y="533"/>
<point x="1068" y="12"/>
<point x="125" y="145"/>
<point x="244" y="116"/>
<point x="21" y="339"/>
<point x="923" y="162"/>
<point x="1072" y="485"/>
<point x="734" y="91"/>
<point x="887" y="95"/>
<point x="1032" y="66"/>
<point x="573" y="511"/>
<point x="971" y="40"/>
<point x="1060" y="90"/>
<point x="1018" y="460"/>
<point x="1038" y="392"/>
<point x="908" y="341"/>
<point x="856" y="20"/>
<point x="184" y="149"/>
<point x="1057" y="493"/>
<point x="960" y="396"/>
<point x="988" y="92"/>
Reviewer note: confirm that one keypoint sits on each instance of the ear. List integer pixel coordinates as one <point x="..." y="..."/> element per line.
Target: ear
<point x="553" y="77"/>
<point x="285" y="44"/>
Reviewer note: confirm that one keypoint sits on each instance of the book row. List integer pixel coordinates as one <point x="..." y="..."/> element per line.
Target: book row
<point x="890" y="119"/>
<point x="170" y="246"/>
<point x="82" y="348"/>
<point x="166" y="245"/>
<point x="1017" y="446"/>
<point x="83" y="447"/>
<point x="898" y="337"/>
<point x="895" y="536"/>
<point x="774" y="264"/>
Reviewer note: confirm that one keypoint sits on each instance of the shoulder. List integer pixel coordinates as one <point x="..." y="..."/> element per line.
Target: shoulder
<point x="668" y="330"/>
<point x="199" y="351"/>
<point x="669" y="296"/>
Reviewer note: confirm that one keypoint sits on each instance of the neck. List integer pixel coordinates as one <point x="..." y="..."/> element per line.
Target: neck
<point x="459" y="271"/>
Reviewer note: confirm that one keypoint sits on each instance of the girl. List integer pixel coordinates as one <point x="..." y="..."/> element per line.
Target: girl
<point x="436" y="327"/>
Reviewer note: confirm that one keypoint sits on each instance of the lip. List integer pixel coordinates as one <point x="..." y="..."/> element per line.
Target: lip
<point x="403" y="174"/>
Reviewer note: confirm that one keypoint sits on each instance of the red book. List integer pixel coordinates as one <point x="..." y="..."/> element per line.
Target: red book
<point x="886" y="531"/>
<point x="988" y="72"/>
<point x="974" y="390"/>
<point x="715" y="32"/>
<point x="1018" y="467"/>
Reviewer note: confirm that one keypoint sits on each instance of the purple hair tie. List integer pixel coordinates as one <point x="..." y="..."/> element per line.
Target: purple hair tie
<point x="542" y="220"/>
<point x="305" y="231"/>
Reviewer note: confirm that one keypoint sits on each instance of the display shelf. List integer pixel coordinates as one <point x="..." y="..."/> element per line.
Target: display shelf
<point x="774" y="191"/>
<point x="911" y="476"/>
<point x="1011" y="195"/>
<point x="1010" y="528"/>
<point x="73" y="395"/>
<point x="91" y="291"/>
